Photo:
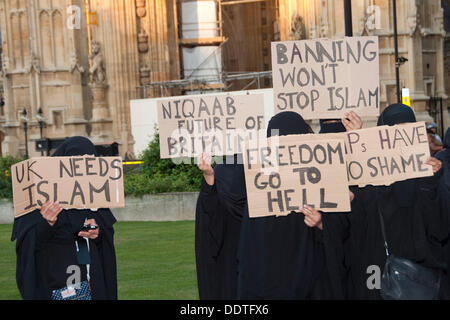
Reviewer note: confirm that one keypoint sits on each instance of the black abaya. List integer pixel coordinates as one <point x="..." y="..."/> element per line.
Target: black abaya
<point x="281" y="257"/>
<point x="45" y="252"/>
<point x="414" y="232"/>
<point x="416" y="228"/>
<point x="444" y="192"/>
<point x="218" y="221"/>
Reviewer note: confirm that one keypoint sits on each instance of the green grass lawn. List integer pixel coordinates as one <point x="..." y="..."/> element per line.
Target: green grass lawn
<point x="155" y="260"/>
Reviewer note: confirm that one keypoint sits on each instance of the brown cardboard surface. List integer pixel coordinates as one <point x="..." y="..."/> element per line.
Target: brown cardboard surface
<point x="277" y="170"/>
<point x="325" y="78"/>
<point x="386" y="154"/>
<point x="217" y="125"/>
<point x="76" y="182"/>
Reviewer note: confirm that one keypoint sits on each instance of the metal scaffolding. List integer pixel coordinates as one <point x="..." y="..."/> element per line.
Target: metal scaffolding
<point x="219" y="82"/>
<point x="205" y="84"/>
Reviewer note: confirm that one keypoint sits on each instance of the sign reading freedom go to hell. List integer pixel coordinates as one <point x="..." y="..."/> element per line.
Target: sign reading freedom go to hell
<point x="324" y="78"/>
<point x="285" y="175"/>
<point x="75" y="182"/>
<point x="217" y="125"/>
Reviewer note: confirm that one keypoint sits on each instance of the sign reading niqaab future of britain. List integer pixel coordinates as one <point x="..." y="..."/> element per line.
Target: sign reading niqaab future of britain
<point x="212" y="124"/>
<point x="292" y="171"/>
<point x="75" y="182"/>
<point x="326" y="78"/>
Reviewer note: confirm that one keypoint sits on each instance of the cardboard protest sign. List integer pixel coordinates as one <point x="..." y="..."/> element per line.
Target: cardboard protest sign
<point x="213" y="124"/>
<point x="325" y="78"/>
<point x="386" y="154"/>
<point x="288" y="172"/>
<point x="75" y="182"/>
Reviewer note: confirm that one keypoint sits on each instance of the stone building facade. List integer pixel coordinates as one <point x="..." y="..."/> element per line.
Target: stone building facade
<point x="47" y="65"/>
<point x="421" y="38"/>
<point x="82" y="76"/>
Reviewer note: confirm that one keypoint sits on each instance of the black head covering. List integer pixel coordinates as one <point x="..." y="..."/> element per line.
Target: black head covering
<point x="404" y="191"/>
<point x="447" y="139"/>
<point x="331" y="127"/>
<point x="287" y="123"/>
<point x="444" y="156"/>
<point x="75" y="146"/>
<point x="444" y="181"/>
<point x="396" y="114"/>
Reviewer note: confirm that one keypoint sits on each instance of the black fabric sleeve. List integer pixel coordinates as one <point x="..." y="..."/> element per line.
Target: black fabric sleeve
<point x="209" y="198"/>
<point x="335" y="234"/>
<point x="44" y="231"/>
<point x="318" y="234"/>
<point x="24" y="232"/>
<point x="206" y="188"/>
<point x="435" y="219"/>
<point x="98" y="240"/>
<point x="211" y="209"/>
<point x="105" y="244"/>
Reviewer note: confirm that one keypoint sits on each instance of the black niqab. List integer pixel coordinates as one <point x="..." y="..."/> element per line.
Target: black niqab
<point x="396" y="114"/>
<point x="444" y="190"/>
<point x="286" y="123"/>
<point x="444" y="156"/>
<point x="75" y="146"/>
<point x="331" y="127"/>
<point x="447" y="139"/>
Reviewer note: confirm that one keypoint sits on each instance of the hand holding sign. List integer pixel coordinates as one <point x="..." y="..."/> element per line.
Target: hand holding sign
<point x="352" y="121"/>
<point x="72" y="182"/>
<point x="434" y="163"/>
<point x="50" y="211"/>
<point x="313" y="218"/>
<point x="204" y="164"/>
<point x="294" y="172"/>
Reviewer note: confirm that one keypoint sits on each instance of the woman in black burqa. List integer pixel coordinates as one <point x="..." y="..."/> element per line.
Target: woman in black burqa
<point x="444" y="190"/>
<point x="286" y="257"/>
<point x="220" y="206"/>
<point x="416" y="228"/>
<point x="46" y="244"/>
<point x="444" y="182"/>
<point x="335" y="225"/>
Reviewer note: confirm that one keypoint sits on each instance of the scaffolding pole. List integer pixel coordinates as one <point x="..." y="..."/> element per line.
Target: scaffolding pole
<point x="206" y="83"/>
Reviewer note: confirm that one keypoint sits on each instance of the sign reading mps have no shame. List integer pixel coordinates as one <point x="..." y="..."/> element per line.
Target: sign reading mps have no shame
<point x="386" y="154"/>
<point x="75" y="182"/>
<point x="214" y="124"/>
<point x="325" y="78"/>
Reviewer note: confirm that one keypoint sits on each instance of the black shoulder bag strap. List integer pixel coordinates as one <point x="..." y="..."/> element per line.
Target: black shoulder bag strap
<point x="383" y="230"/>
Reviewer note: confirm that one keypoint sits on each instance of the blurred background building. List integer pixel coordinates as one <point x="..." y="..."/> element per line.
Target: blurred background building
<point x="70" y="67"/>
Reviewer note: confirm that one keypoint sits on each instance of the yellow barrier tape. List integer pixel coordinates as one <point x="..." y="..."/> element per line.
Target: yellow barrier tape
<point x="132" y="162"/>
